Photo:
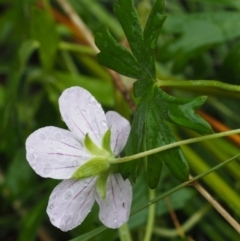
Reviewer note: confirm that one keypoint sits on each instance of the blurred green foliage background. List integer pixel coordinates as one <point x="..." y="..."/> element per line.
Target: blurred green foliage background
<point x="43" y="53"/>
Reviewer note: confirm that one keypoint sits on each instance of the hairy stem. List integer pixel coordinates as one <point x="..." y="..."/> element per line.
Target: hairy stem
<point x="172" y="145"/>
<point x="202" y="83"/>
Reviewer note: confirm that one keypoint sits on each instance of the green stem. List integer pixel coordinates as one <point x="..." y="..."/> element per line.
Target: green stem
<point x="187" y="183"/>
<point x="152" y="208"/>
<point x="124" y="233"/>
<point x="202" y="83"/>
<point x="151" y="217"/>
<point x="172" y="145"/>
<point x="76" y="48"/>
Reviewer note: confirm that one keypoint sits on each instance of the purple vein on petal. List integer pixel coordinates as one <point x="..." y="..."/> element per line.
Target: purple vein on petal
<point x="118" y="183"/>
<point x="113" y="192"/>
<point x="116" y="141"/>
<point x="66" y="144"/>
<point x="80" y="193"/>
<point x="96" y="123"/>
<point x="73" y="183"/>
<point x="78" y="127"/>
<point x="86" y="197"/>
<point x="61" y="154"/>
<point x="86" y="121"/>
<point x="61" y="167"/>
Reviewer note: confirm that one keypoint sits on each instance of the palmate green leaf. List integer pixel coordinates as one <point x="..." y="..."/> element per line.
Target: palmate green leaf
<point x="128" y="17"/>
<point x="115" y="56"/>
<point x="158" y="133"/>
<point x="181" y="111"/>
<point x="185" y="115"/>
<point x="140" y="64"/>
<point x="150" y="130"/>
<point x="152" y="30"/>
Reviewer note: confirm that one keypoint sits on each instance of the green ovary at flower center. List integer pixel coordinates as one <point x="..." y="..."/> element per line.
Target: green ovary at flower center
<point x="99" y="163"/>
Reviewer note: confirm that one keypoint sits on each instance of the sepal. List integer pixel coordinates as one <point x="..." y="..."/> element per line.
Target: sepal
<point x="106" y="142"/>
<point x="92" y="148"/>
<point x="93" y="167"/>
<point x="102" y="185"/>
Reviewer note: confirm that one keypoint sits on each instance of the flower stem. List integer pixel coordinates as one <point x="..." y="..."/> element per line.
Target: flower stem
<point x="202" y="83"/>
<point x="151" y="209"/>
<point x="124" y="233"/>
<point x="172" y="145"/>
<point x="151" y="217"/>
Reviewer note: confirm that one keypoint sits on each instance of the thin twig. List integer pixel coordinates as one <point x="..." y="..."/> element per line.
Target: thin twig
<point x="174" y="218"/>
<point x="217" y="206"/>
<point x="186" y="226"/>
<point x="78" y="23"/>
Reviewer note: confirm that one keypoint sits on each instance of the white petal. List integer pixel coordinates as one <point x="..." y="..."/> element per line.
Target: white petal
<point x="115" y="209"/>
<point x="120" y="129"/>
<point x="54" y="152"/>
<point x="83" y="114"/>
<point x="70" y="202"/>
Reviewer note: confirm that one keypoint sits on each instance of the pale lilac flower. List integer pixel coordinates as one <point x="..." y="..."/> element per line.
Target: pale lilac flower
<point x="57" y="153"/>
